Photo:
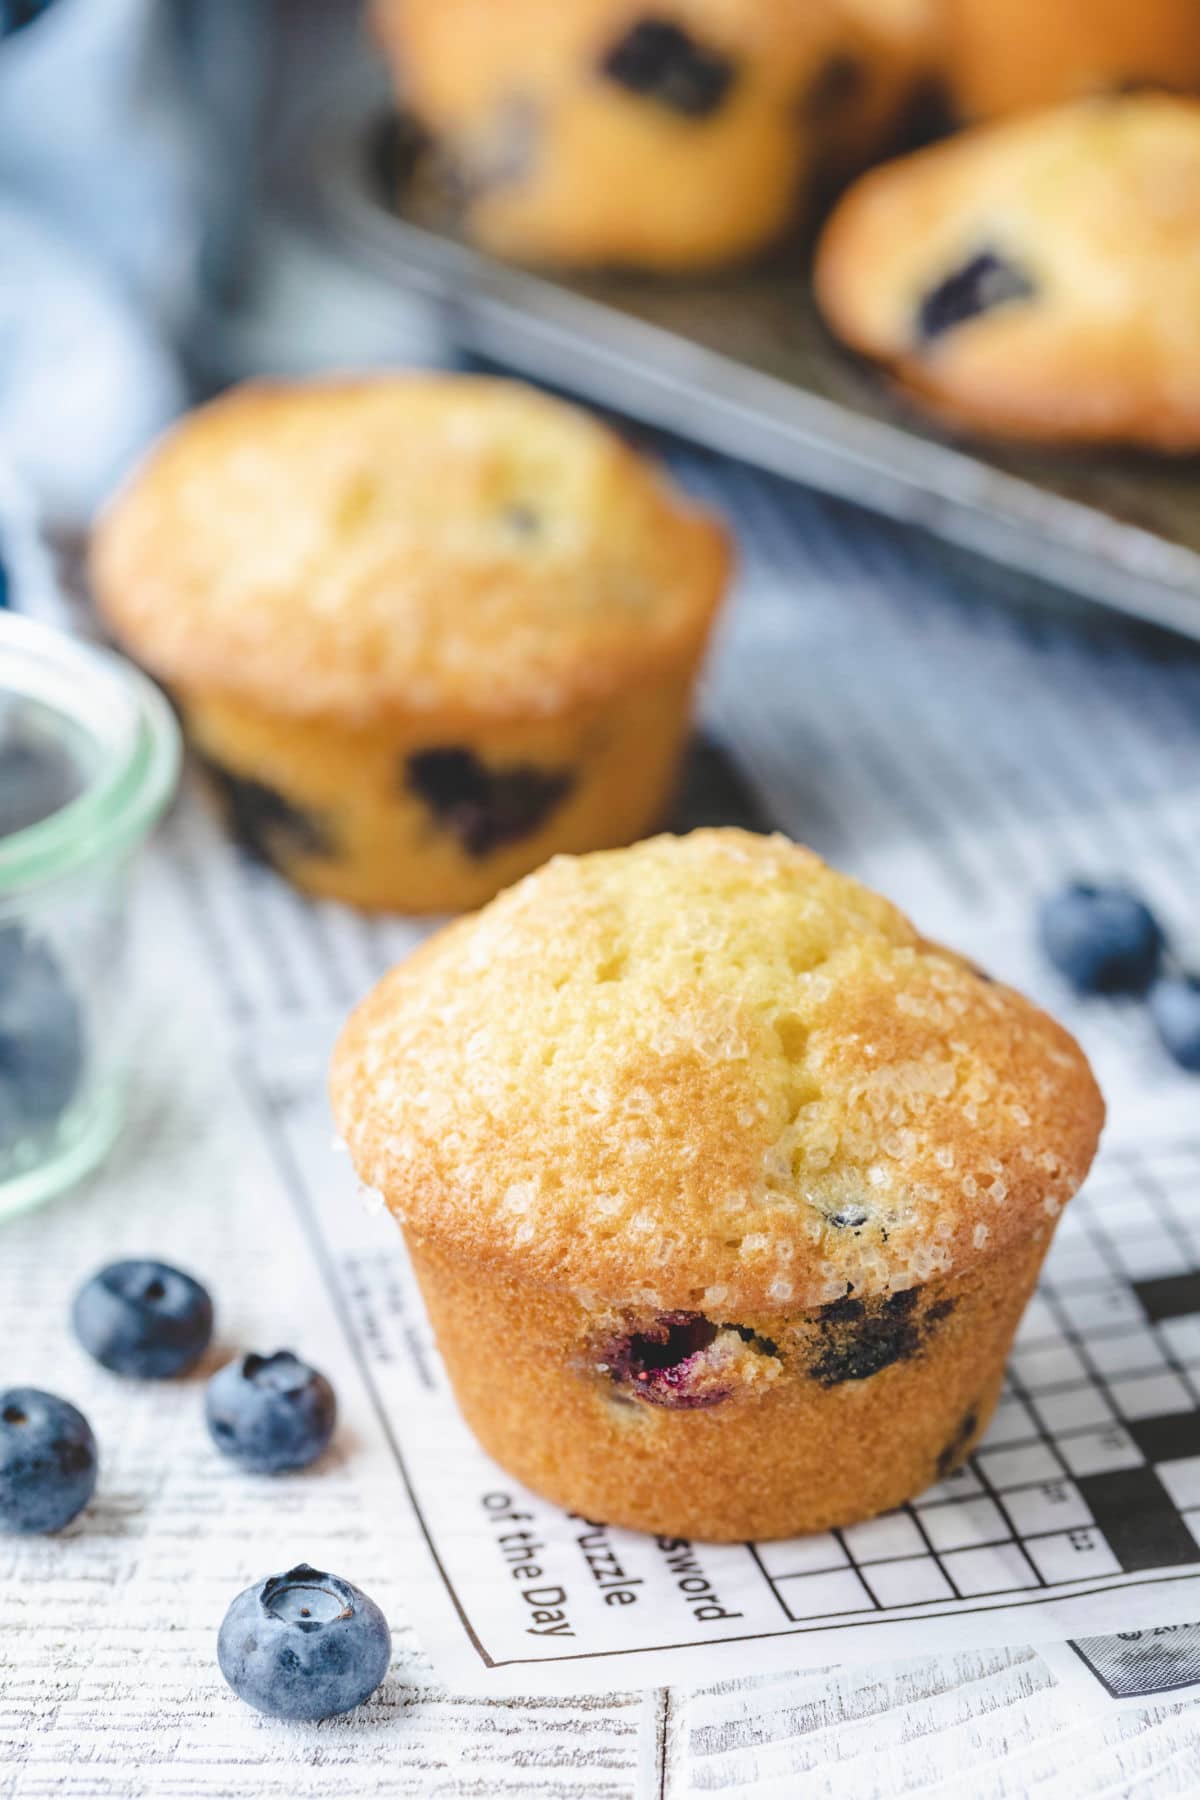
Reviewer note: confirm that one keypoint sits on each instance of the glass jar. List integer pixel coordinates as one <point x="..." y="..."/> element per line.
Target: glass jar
<point x="89" y="759"/>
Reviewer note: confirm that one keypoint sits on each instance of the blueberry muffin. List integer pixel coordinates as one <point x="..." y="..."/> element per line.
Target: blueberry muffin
<point x="660" y="134"/>
<point x="725" y="1189"/>
<point x="423" y="631"/>
<point x="1006" y="55"/>
<point x="1038" y="278"/>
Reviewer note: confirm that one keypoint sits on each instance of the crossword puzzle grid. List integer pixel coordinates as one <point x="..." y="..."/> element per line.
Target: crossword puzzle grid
<point x="1090" y="1468"/>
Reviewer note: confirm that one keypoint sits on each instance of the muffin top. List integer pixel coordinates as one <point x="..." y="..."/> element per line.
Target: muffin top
<point x="457" y="546"/>
<point x="1040" y="277"/>
<point x="710" y="1070"/>
<point x="697" y="62"/>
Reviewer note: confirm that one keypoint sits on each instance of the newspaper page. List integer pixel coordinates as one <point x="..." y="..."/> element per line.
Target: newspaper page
<point x="963" y="758"/>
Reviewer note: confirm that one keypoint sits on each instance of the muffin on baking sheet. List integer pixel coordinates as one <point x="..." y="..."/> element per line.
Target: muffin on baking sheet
<point x="1004" y="56"/>
<point x="659" y="134"/>
<point x="725" y="1189"/>
<point x="424" y="631"/>
<point x="1038" y="278"/>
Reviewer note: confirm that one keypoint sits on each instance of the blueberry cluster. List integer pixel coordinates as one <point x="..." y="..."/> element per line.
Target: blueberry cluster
<point x="300" y="1645"/>
<point x="1106" y="940"/>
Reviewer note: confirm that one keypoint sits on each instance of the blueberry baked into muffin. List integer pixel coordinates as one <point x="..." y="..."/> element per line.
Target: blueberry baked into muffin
<point x="660" y="134"/>
<point x="1038" y="278"/>
<point x="725" y="1189"/>
<point x="424" y="631"/>
<point x="1004" y="56"/>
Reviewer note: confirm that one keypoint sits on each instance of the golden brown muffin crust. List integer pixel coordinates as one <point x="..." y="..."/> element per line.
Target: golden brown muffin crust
<point x="405" y="544"/>
<point x="710" y="1072"/>
<point x="1092" y="212"/>
<point x="1007" y="55"/>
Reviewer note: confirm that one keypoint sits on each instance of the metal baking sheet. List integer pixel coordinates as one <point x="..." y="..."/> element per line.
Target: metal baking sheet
<point x="743" y="364"/>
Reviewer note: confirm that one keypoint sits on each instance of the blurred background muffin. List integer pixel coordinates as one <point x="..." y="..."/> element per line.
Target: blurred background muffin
<point x="1005" y="55"/>
<point x="424" y="631"/>
<point x="667" y="136"/>
<point x="1035" y="278"/>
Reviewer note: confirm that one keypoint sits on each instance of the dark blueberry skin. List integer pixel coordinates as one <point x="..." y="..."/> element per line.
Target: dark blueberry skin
<point x="484" y="808"/>
<point x="1105" y="940"/>
<point x="304" y="1645"/>
<point x="1175" y="1009"/>
<point x="861" y="1337"/>
<point x="41" y="1038"/>
<point x="270" y="1413"/>
<point x="4" y="585"/>
<point x="16" y="13"/>
<point x="143" y="1319"/>
<point x="47" y="1461"/>
<point x="983" y="283"/>
<point x="263" y="822"/>
<point x="659" y="61"/>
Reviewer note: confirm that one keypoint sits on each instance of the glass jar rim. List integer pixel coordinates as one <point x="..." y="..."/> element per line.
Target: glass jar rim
<point x="132" y="728"/>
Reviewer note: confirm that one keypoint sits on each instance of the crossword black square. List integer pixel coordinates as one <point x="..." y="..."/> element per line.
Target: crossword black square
<point x="1170" y="1296"/>
<point x="1139" y="1519"/>
<point x="1161" y="1440"/>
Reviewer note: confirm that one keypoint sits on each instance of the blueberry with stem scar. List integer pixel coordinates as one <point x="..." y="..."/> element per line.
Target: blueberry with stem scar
<point x="143" y="1319"/>
<point x="47" y="1461"/>
<point x="270" y="1413"/>
<point x="304" y="1645"/>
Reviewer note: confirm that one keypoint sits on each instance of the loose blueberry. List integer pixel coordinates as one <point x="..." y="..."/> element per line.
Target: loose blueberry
<point x="47" y="1461"/>
<point x="270" y="1413"/>
<point x="1175" y="1009"/>
<point x="1105" y="940"/>
<point x="41" y="1038"/>
<point x="658" y="60"/>
<point x="143" y="1318"/>
<point x="304" y="1645"/>
<point x="263" y="822"/>
<point x="982" y="284"/>
<point x="484" y="808"/>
